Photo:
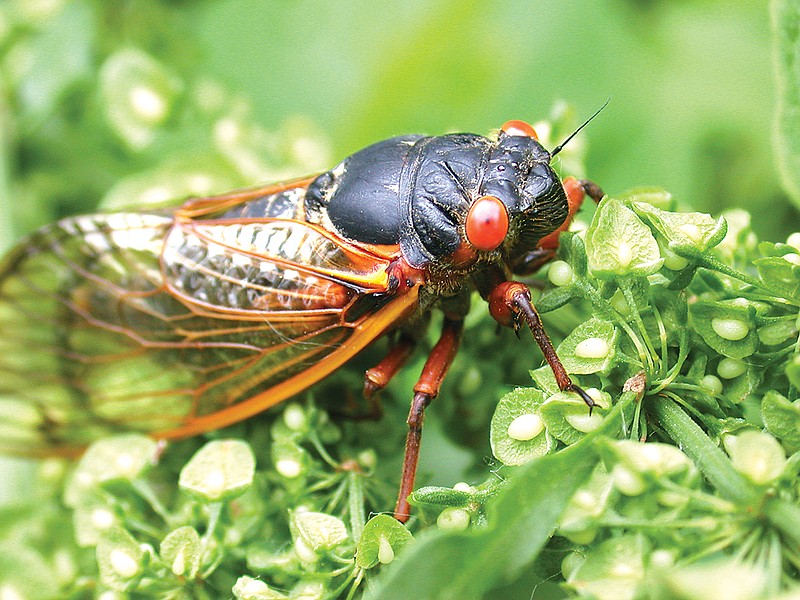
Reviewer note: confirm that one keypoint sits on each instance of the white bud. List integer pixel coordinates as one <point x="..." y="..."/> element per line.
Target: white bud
<point x="730" y="368"/>
<point x="385" y="551"/>
<point x="560" y="273"/>
<point x="730" y="329"/>
<point x="123" y="563"/>
<point x="592" y="348"/>
<point x="525" y="427"/>
<point x="453" y="519"/>
<point x="288" y="467"/>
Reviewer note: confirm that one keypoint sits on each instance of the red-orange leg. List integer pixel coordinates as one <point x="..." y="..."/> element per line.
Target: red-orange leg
<point x="511" y="301"/>
<point x="426" y="389"/>
<point x="379" y="376"/>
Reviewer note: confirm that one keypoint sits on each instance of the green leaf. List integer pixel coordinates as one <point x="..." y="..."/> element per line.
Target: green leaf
<point x="708" y="457"/>
<point x="578" y="523"/>
<point x="555" y="297"/>
<point x="590" y="348"/>
<point x="567" y="417"/>
<point x="728" y="578"/>
<point x="117" y="458"/>
<point x="793" y="371"/>
<point x="521" y="518"/>
<point x="121" y="560"/>
<point x="782" y="419"/>
<point x="574" y="250"/>
<point x="780" y="276"/>
<point x="693" y="229"/>
<point x="383" y="537"/>
<point x="318" y="531"/>
<point x="728" y="326"/>
<point x="434" y="495"/>
<point x="612" y="570"/>
<point x="545" y="380"/>
<point x="757" y="455"/>
<point x="519" y="404"/>
<point x="740" y="387"/>
<point x="222" y="469"/>
<point x="740" y="236"/>
<point x="93" y="516"/>
<point x="290" y="459"/>
<point x="618" y="243"/>
<point x="786" y="36"/>
<point x="181" y="551"/>
<point x="637" y="467"/>
<point x="138" y="94"/>
<point x="655" y="196"/>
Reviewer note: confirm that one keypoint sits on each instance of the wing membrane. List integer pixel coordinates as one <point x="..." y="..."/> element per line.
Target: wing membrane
<point x="173" y="325"/>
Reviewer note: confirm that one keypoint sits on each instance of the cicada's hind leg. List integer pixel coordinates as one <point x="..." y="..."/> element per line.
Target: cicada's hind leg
<point x="426" y="389"/>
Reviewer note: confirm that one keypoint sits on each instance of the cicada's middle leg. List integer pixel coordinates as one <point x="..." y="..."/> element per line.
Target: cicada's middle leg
<point x="426" y="389"/>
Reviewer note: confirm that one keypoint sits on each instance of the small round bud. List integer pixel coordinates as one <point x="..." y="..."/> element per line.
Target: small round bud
<point x="560" y="273"/>
<point x="592" y="348"/>
<point x="711" y="384"/>
<point x="525" y="427"/>
<point x="453" y="519"/>
<point x="730" y="329"/>
<point x="730" y="368"/>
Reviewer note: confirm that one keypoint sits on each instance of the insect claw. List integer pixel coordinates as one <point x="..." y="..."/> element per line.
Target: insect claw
<point x="518" y="323"/>
<point x="584" y="396"/>
<point x="370" y="389"/>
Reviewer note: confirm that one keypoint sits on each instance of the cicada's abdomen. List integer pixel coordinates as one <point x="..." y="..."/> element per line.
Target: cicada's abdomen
<point x="278" y="265"/>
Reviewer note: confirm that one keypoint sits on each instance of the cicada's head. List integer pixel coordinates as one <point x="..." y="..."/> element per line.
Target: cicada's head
<point x="521" y="198"/>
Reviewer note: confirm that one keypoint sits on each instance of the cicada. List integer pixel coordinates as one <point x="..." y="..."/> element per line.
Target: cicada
<point x="175" y="322"/>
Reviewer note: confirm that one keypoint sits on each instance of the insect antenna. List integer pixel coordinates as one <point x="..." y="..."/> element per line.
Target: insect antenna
<point x="560" y="147"/>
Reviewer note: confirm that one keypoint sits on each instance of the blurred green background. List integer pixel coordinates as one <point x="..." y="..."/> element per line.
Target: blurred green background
<point x="690" y="82"/>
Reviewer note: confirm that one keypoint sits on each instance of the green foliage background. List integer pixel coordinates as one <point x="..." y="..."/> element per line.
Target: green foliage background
<point x="691" y="85"/>
<point x="692" y="109"/>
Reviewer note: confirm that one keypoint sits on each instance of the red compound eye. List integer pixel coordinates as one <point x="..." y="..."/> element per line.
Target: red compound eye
<point x="519" y="128"/>
<point x="487" y="223"/>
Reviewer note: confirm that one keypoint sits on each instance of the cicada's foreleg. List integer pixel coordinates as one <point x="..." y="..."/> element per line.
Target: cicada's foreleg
<point x="426" y="389"/>
<point x="509" y="303"/>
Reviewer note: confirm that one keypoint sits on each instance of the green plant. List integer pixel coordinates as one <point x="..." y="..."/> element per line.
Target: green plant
<point x="683" y="326"/>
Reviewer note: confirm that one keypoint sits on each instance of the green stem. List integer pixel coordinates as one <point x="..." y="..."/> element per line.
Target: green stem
<point x="711" y="461"/>
<point x="625" y="286"/>
<point x="144" y="489"/>
<point x="356" y="583"/>
<point x="214" y="513"/>
<point x="785" y="517"/>
<point x="355" y="497"/>
<point x="709" y="262"/>
<point x="320" y="448"/>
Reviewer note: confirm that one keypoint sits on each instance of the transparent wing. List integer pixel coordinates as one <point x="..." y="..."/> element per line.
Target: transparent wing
<point x="175" y="326"/>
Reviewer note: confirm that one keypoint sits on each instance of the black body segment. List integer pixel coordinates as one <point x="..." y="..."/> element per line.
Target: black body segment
<point x="416" y="191"/>
<point x="362" y="196"/>
<point x="287" y="204"/>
